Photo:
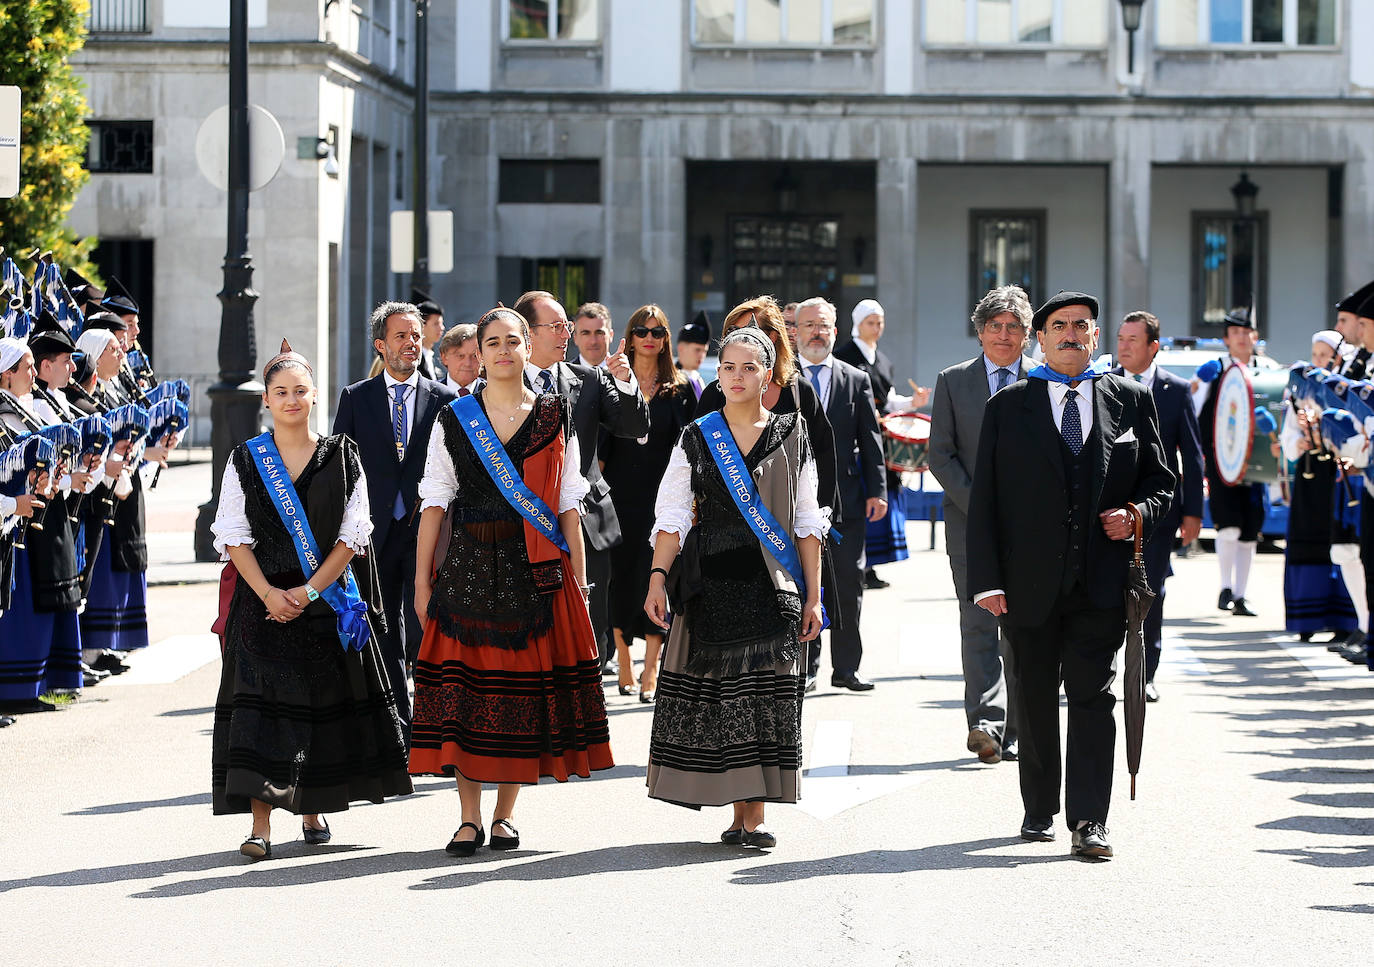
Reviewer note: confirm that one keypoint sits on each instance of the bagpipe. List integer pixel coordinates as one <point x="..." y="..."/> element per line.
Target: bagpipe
<point x="96" y="440"/>
<point x="66" y="440"/>
<point x="1336" y="416"/>
<point x="24" y="467"/>
<point x="166" y="417"/>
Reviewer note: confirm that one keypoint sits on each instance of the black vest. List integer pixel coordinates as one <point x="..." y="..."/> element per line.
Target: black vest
<point x="52" y="558"/>
<point x="1078" y="481"/>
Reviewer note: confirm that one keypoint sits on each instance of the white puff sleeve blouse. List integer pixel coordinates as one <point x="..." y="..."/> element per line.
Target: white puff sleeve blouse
<point x="439" y="486"/>
<point x="232" y="527"/>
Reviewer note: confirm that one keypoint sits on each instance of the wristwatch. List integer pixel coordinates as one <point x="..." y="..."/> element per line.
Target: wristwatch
<point x="311" y="593"/>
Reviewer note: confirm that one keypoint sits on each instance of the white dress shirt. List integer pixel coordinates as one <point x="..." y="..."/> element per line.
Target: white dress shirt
<point x="456" y="386"/>
<point x="827" y="368"/>
<point x="992" y="368"/>
<point x="414" y="383"/>
<point x="1147" y="378"/>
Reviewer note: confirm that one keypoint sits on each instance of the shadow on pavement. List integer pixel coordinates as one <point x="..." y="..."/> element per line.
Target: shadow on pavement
<point x="176" y="712"/>
<point x="1338" y="800"/>
<point x="222" y="859"/>
<point x="199" y="799"/>
<point x="1336" y="857"/>
<point x="614" y="859"/>
<point x="1323" y="825"/>
<point x="946" y="856"/>
<point x="1318" y="774"/>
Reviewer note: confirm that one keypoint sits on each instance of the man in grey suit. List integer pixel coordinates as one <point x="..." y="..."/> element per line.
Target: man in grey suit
<point x="604" y="400"/>
<point x="847" y="396"/>
<point x="1002" y="320"/>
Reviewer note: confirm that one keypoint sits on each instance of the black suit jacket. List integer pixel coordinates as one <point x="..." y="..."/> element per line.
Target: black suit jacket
<point x="598" y="405"/>
<point x="880" y="371"/>
<point x="1018" y="519"/>
<point x="364" y="413"/>
<point x="1182" y="442"/>
<point x="859" y="468"/>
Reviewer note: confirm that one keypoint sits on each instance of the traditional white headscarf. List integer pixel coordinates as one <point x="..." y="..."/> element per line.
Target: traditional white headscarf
<point x="11" y="351"/>
<point x="862" y="311"/>
<point x="94" y="342"/>
<point x="1329" y="336"/>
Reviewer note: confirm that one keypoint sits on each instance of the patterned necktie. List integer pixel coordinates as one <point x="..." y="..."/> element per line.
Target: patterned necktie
<point x="1003" y="378"/>
<point x="547" y="377"/>
<point x="1138" y="377"/>
<point x="464" y="391"/>
<point x="1070" y="426"/>
<point x="816" y="378"/>
<point x="398" y="419"/>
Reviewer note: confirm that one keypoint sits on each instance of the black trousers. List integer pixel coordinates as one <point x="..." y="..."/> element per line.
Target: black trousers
<point x="1366" y="544"/>
<point x="1158" y="555"/>
<point x="844" y="599"/>
<point x="401" y="642"/>
<point x="1075" y="645"/>
<point x="599" y="576"/>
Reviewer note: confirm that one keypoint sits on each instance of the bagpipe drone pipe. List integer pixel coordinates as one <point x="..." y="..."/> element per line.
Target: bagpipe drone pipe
<point x="23" y="467"/>
<point x="167" y="417"/>
<point x="96" y="440"/>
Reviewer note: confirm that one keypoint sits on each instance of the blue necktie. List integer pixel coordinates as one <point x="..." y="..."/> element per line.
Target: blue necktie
<point x="816" y="378"/>
<point x="1003" y="378"/>
<point x="1070" y="426"/>
<point x="547" y="377"/>
<point x="402" y="432"/>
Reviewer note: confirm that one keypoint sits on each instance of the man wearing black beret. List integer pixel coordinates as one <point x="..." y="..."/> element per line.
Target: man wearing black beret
<point x="1081" y="445"/>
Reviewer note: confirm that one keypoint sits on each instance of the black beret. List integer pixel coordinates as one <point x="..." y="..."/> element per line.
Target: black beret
<point x="430" y="308"/>
<point x="48" y="336"/>
<point x="1357" y="299"/>
<point x="105" y="320"/>
<point x="1059" y="301"/>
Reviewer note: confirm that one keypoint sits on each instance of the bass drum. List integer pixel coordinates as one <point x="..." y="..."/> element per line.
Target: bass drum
<point x="906" y="441"/>
<point x="1267" y="385"/>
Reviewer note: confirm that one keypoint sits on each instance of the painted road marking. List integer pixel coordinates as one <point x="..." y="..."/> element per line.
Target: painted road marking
<point x="827" y="787"/>
<point x="167" y="661"/>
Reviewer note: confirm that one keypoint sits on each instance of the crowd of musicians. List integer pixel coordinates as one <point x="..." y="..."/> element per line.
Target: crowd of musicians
<point x="491" y="528"/>
<point x="84" y="428"/>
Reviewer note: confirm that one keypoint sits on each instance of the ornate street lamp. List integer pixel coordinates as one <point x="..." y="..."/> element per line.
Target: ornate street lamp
<point x="419" y="276"/>
<point x="1130" y="19"/>
<point x="1244" y="192"/>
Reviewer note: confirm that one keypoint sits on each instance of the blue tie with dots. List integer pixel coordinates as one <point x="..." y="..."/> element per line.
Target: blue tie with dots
<point x="546" y="381"/>
<point x="1070" y="426"/>
<point x="402" y="432"/>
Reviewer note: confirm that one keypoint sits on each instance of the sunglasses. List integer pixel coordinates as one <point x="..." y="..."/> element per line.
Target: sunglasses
<point x="641" y="332"/>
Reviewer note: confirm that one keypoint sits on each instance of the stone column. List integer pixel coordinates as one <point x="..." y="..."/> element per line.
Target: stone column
<point x="1357" y="219"/>
<point x="896" y="263"/>
<point x="1128" y="229"/>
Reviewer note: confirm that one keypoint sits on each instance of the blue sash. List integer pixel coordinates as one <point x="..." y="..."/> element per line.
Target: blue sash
<point x="347" y="603"/>
<point x="771" y="534"/>
<point x="509" y="484"/>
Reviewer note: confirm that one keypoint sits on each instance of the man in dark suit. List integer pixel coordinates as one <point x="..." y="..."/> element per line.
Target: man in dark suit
<point x="1061" y="455"/>
<point x="603" y="399"/>
<point x="1137" y="343"/>
<point x="1002" y="321"/>
<point x="390" y="417"/>
<point x="847" y="396"/>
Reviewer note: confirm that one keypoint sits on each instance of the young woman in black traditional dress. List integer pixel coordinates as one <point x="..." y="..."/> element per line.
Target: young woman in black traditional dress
<point x="727" y="722"/>
<point x="508" y="682"/>
<point x="633" y="469"/>
<point x="303" y="721"/>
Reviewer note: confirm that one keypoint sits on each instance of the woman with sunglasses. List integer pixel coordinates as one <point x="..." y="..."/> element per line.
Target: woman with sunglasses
<point x="631" y="466"/>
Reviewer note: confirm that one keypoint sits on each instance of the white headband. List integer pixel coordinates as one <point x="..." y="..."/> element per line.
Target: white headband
<point x="862" y="311"/>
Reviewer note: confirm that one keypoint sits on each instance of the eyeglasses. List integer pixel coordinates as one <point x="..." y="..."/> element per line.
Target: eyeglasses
<point x="997" y="328"/>
<point x="565" y="326"/>
<point x="820" y="328"/>
<point x="1081" y="326"/>
<point x="642" y="332"/>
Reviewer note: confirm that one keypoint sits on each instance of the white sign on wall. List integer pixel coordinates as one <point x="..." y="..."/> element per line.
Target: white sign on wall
<point x="440" y="242"/>
<point x="9" y="142"/>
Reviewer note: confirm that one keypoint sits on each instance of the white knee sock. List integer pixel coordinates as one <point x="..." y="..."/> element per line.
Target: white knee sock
<point x="1226" y="558"/>
<point x="1352" y="573"/>
<point x="1245" y="555"/>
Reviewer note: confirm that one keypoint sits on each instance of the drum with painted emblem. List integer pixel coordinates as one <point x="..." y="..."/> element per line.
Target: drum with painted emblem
<point x="906" y="441"/>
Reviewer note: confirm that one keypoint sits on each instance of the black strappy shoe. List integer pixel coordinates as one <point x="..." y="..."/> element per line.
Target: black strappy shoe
<point x="256" y="848"/>
<point x="316" y="837"/>
<point x="733" y="837"/>
<point x="504" y="842"/>
<point x="465" y="847"/>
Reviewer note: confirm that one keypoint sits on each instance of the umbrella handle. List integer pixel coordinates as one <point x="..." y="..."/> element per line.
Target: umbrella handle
<point x="1138" y="523"/>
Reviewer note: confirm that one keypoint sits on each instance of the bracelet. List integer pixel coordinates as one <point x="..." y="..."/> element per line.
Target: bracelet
<point x="659" y="570"/>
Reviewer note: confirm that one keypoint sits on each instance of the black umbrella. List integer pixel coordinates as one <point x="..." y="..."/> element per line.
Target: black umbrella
<point x="1139" y="599"/>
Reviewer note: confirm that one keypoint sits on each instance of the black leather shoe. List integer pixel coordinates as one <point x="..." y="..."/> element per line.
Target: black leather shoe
<point x="1224" y="600"/>
<point x="1238" y="606"/>
<point x="733" y="837"/>
<point x="109" y="662"/>
<point x="1090" y="842"/>
<point x="317" y="837"/>
<point x="1037" y="829"/>
<point x="24" y="706"/>
<point x="630" y="689"/>
<point x="1151" y="693"/>
<point x="760" y="838"/>
<point x="1355" y="654"/>
<point x="256" y="848"/>
<point x="504" y="842"/>
<point x="852" y="682"/>
<point x="874" y="583"/>
<point x="1010" y="752"/>
<point x="466" y="847"/>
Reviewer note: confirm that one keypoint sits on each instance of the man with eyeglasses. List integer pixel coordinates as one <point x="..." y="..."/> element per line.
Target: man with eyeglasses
<point x="605" y="398"/>
<point x="847" y="397"/>
<point x="1001" y="321"/>
<point x="1062" y="456"/>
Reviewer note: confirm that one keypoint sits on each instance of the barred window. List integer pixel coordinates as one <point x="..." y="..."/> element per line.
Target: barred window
<point x="120" y="147"/>
<point x="1190" y="23"/>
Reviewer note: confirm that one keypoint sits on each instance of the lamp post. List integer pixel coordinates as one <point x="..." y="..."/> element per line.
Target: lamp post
<point x="1130" y="19"/>
<point x="235" y="399"/>
<point x="419" y="276"/>
<point x="1247" y="232"/>
<point x="1244" y="192"/>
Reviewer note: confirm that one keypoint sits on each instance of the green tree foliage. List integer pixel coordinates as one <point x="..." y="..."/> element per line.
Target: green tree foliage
<point x="36" y="39"/>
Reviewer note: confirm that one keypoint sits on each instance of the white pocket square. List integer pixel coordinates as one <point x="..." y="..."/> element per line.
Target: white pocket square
<point x="1127" y="437"/>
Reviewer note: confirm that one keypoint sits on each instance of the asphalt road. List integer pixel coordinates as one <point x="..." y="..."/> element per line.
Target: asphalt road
<point x="1251" y="840"/>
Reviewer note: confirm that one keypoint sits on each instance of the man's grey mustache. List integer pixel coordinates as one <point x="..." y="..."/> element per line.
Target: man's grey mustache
<point x="1070" y="345"/>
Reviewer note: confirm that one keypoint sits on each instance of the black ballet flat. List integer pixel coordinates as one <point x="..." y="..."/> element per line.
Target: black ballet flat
<point x="317" y="837"/>
<point x="733" y="837"/>
<point x="647" y="697"/>
<point x="465" y="847"/>
<point x="504" y="842"/>
<point x="760" y="838"/>
<point x="256" y="848"/>
<point x="629" y="689"/>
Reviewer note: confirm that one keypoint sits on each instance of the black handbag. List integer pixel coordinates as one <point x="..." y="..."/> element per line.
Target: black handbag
<point x="684" y="577"/>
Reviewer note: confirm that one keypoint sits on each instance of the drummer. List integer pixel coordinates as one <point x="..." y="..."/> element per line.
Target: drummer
<point x="847" y="397"/>
<point x="1237" y="511"/>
